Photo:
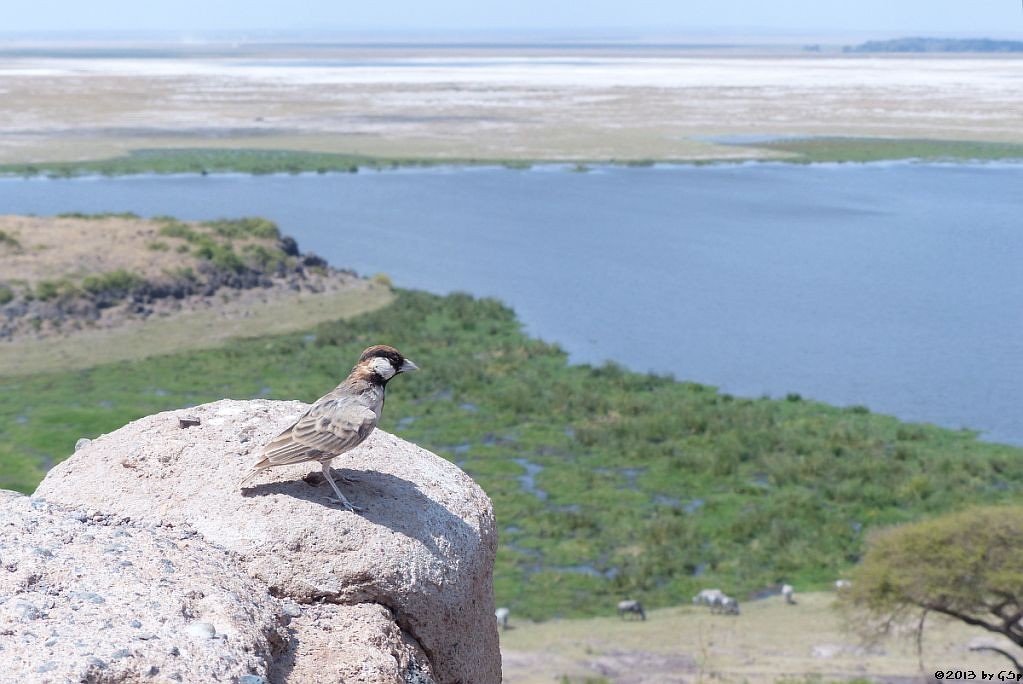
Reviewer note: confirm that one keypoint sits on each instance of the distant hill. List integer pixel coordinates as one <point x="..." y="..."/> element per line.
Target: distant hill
<point x="938" y="45"/>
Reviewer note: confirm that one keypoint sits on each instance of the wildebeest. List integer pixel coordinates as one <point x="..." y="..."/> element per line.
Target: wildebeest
<point x="708" y="597"/>
<point x="630" y="606"/>
<point x="729" y="606"/>
<point x="789" y="593"/>
<point x="502" y="617"/>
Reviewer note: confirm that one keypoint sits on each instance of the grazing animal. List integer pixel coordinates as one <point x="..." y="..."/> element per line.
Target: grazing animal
<point x="502" y="617"/>
<point x="708" y="597"/>
<point x="338" y="421"/>
<point x="717" y="604"/>
<point x="729" y="606"/>
<point x="789" y="593"/>
<point x="633" y="607"/>
<point x="842" y="584"/>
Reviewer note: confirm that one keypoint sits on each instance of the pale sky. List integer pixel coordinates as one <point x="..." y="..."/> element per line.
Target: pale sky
<point x="1003" y="18"/>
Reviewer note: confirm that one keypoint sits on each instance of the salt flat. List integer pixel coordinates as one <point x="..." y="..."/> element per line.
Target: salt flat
<point x="563" y="106"/>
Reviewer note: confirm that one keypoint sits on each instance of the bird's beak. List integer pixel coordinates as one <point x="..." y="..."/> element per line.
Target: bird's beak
<point x="408" y="366"/>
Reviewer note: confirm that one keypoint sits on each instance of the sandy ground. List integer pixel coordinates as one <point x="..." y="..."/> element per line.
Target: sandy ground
<point x="204" y="323"/>
<point x="430" y="105"/>
<point x="52" y="248"/>
<point x="768" y="642"/>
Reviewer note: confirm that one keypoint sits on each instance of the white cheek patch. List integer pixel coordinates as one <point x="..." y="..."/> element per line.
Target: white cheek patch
<point x="382" y="367"/>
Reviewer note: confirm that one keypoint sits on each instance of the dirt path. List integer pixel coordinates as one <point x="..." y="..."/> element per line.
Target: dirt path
<point x="250" y="315"/>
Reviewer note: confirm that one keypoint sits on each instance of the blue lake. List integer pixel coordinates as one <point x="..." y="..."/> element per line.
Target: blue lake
<point x="895" y="286"/>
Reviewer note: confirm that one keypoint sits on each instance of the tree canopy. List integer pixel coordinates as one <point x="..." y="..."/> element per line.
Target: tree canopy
<point x="967" y="566"/>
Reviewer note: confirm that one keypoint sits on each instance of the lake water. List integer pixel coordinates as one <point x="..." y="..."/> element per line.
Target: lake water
<point x="896" y="286"/>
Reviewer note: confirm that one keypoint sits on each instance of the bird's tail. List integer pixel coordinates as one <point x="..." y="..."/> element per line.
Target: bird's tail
<point x="255" y="470"/>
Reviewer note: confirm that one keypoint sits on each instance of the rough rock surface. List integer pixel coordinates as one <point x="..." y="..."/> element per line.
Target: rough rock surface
<point x="421" y="553"/>
<point x="89" y="598"/>
<point x="364" y="634"/>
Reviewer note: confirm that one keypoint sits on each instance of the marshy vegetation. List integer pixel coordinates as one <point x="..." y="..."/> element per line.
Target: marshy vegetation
<point x="839" y="149"/>
<point x="213" y="160"/>
<point x="607" y="483"/>
<point x="205" y="161"/>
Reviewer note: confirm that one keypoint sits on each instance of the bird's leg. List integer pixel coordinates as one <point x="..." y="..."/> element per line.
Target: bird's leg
<point x="341" y="498"/>
<point x="344" y="478"/>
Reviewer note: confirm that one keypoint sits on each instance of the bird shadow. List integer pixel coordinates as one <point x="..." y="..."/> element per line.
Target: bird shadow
<point x="385" y="499"/>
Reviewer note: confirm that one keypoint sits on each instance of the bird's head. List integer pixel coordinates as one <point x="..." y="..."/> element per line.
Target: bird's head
<point x="381" y="363"/>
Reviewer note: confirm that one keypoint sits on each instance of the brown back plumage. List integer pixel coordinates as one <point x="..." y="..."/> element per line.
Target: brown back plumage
<point x="338" y="421"/>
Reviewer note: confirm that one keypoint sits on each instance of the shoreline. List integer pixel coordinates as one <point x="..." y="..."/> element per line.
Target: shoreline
<point x="255" y="162"/>
<point x="118" y="191"/>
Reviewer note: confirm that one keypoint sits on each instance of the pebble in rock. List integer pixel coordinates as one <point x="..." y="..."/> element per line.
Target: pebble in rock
<point x="251" y="679"/>
<point x="81" y="443"/>
<point x="292" y="610"/>
<point x="201" y="630"/>
<point x="29" y="612"/>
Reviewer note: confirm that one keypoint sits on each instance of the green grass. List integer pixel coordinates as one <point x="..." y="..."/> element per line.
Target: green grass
<point x="211" y="160"/>
<point x="47" y="290"/>
<point x="115" y="284"/>
<point x="6" y="239"/>
<point x="810" y="150"/>
<point x="256" y="161"/>
<point x="100" y="216"/>
<point x="661" y="486"/>
<point x="248" y="226"/>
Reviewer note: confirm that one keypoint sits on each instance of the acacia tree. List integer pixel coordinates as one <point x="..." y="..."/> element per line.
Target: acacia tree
<point x="967" y="566"/>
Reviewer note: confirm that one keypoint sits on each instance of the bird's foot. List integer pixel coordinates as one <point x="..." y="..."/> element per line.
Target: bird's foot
<point x="345" y="504"/>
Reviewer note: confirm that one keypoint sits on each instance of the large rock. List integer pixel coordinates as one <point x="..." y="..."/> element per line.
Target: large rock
<point x="422" y="550"/>
<point x="360" y="643"/>
<point x="89" y="599"/>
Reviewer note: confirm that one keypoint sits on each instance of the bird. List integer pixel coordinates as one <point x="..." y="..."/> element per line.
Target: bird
<point x="338" y="421"/>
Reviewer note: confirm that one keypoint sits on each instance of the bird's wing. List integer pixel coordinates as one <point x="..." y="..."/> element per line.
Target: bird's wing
<point x="332" y="426"/>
